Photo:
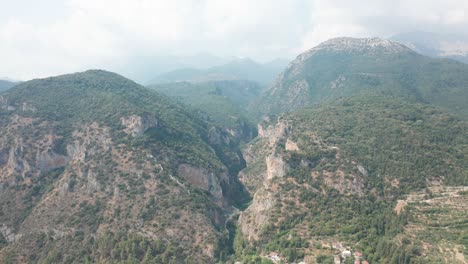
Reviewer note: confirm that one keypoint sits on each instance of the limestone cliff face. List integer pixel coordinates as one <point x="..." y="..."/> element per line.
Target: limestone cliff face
<point x="257" y="215"/>
<point x="291" y="145"/>
<point x="49" y="160"/>
<point x="276" y="167"/>
<point x="242" y="132"/>
<point x="203" y="179"/>
<point x="281" y="151"/>
<point x="265" y="169"/>
<point x="137" y="125"/>
<point x="274" y="133"/>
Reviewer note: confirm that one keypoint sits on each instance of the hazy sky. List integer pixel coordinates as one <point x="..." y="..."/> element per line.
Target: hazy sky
<point x="48" y="37"/>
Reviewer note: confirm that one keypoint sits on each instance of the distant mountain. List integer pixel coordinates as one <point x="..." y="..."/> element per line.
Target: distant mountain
<point x="94" y="166"/>
<point x="225" y="102"/>
<point x="144" y="67"/>
<point x="240" y="69"/>
<point x="5" y="85"/>
<point x="436" y="45"/>
<point x="343" y="67"/>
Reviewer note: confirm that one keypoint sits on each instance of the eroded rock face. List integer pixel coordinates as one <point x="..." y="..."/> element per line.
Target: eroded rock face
<point x="203" y="179"/>
<point x="76" y="151"/>
<point x="276" y="167"/>
<point x="49" y="160"/>
<point x="263" y="182"/>
<point x="291" y="145"/>
<point x="137" y="125"/>
<point x="257" y="214"/>
<point x="274" y="133"/>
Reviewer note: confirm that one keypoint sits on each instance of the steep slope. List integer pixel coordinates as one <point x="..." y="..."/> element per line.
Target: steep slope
<point x="96" y="168"/>
<point x="241" y="69"/>
<point x="326" y="180"/>
<point x="343" y="66"/>
<point x="361" y="125"/>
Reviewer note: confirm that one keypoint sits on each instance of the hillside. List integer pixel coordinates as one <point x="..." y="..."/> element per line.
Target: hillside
<point x="241" y="69"/>
<point x="96" y="168"/>
<point x="352" y="128"/>
<point x="327" y="179"/>
<point x="341" y="67"/>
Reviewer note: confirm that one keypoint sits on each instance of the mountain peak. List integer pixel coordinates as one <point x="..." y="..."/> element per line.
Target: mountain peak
<point x="347" y="44"/>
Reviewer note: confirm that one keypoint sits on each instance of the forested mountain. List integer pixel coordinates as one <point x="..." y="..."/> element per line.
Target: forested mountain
<point x="332" y="175"/>
<point x="354" y="130"/>
<point x="344" y="66"/>
<point x="96" y="168"/>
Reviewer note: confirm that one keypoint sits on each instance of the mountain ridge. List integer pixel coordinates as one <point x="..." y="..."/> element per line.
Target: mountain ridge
<point x="240" y="69"/>
<point x="342" y="66"/>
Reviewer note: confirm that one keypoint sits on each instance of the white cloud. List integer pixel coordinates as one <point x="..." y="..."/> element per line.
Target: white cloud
<point x="73" y="35"/>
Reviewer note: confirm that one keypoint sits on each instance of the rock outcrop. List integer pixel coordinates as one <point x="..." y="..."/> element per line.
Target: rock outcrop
<point x="137" y="125"/>
<point x="291" y="145"/>
<point x="276" y="167"/>
<point x="263" y="154"/>
<point x="203" y="179"/>
<point x="49" y="160"/>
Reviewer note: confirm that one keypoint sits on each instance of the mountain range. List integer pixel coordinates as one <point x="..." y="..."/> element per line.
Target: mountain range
<point x="240" y="69"/>
<point x="356" y="152"/>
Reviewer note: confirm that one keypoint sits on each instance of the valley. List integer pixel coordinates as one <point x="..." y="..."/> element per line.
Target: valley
<point x="357" y="153"/>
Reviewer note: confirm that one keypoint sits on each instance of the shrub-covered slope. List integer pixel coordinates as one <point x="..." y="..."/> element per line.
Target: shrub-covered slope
<point x="96" y="168"/>
<point x="333" y="174"/>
